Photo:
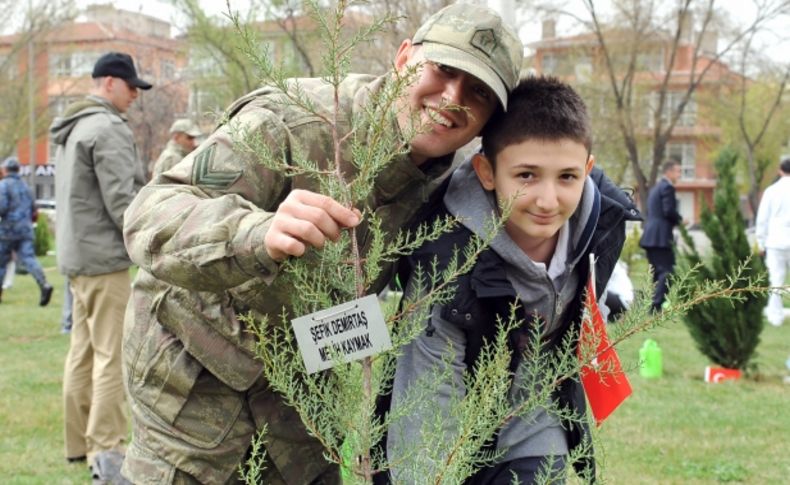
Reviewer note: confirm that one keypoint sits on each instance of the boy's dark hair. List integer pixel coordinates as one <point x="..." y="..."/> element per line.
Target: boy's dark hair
<point x="542" y="108"/>
<point x="784" y="166"/>
<point x="669" y="164"/>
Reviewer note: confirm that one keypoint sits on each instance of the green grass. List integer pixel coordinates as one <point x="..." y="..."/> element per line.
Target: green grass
<point x="32" y="354"/>
<point x="673" y="430"/>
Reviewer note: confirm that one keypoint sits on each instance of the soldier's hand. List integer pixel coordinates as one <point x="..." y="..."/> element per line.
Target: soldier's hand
<point x="305" y="219"/>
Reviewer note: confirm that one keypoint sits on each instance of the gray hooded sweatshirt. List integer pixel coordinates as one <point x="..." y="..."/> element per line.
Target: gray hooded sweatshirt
<point x="97" y="176"/>
<point x="543" y="290"/>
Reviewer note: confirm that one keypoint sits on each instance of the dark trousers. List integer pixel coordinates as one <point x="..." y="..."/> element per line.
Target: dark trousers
<point x="525" y="470"/>
<point x="663" y="261"/>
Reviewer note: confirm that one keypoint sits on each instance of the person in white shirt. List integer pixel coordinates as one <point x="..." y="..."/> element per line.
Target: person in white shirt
<point x="773" y="238"/>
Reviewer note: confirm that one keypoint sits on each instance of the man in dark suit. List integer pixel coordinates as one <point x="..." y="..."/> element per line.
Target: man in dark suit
<point x="662" y="217"/>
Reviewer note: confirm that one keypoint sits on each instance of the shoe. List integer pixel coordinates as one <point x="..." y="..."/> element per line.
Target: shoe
<point x="106" y="468"/>
<point x="46" y="295"/>
<point x="76" y="459"/>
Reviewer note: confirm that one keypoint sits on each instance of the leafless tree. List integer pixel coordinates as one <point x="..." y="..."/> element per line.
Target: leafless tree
<point x="687" y="36"/>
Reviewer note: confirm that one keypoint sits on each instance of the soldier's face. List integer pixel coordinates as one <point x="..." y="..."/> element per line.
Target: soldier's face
<point x="446" y="107"/>
<point x="121" y="94"/>
<point x="188" y="143"/>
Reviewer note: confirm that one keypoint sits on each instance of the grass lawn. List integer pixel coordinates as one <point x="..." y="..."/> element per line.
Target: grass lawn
<point x="674" y="430"/>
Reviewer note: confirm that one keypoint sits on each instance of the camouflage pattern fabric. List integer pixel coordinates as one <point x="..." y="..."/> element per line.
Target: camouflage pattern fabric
<point x="16" y="208"/>
<point x="196" y="390"/>
<point x="171" y="155"/>
<point x="16" y="227"/>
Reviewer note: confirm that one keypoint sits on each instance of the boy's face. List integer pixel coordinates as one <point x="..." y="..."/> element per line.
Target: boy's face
<point x="546" y="178"/>
<point x="440" y="131"/>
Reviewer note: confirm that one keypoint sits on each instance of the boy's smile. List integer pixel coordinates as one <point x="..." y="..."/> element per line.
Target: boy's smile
<point x="546" y="177"/>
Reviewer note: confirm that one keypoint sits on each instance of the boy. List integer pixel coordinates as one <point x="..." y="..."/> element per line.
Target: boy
<point x="538" y="155"/>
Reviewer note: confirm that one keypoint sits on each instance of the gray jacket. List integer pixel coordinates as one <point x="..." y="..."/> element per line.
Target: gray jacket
<point x="97" y="176"/>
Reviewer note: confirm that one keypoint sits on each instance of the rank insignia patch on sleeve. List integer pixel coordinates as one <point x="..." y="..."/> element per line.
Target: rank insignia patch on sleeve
<point x="204" y="175"/>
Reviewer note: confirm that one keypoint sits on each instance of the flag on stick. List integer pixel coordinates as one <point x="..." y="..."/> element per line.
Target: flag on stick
<point x="603" y="379"/>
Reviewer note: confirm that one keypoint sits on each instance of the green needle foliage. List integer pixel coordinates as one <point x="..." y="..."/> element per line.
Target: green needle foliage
<point x="727" y="331"/>
<point x="41" y="241"/>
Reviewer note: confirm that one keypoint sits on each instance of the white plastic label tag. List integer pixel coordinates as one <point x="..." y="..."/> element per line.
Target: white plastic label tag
<point x="346" y="332"/>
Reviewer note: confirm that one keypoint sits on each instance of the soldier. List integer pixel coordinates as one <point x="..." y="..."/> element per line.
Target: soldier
<point x="16" y="228"/>
<point x="98" y="174"/>
<point x="210" y="233"/>
<point x="183" y="136"/>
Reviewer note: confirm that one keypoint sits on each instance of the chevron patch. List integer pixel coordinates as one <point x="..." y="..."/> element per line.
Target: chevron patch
<point x="203" y="175"/>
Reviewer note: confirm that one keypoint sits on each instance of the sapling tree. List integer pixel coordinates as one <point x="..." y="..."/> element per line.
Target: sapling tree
<point x="727" y="332"/>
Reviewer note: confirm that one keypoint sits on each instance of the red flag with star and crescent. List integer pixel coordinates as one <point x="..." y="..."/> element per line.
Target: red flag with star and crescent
<point x="604" y="381"/>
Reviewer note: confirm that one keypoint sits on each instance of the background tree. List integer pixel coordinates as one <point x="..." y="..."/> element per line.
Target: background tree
<point x="726" y="331"/>
<point x="19" y="86"/>
<point x="684" y="34"/>
<point x="753" y="115"/>
<point x="219" y="73"/>
<point x="152" y="114"/>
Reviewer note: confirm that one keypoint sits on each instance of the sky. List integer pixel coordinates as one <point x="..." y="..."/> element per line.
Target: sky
<point x="741" y="10"/>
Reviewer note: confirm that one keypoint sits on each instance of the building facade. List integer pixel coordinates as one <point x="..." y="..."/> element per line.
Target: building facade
<point x="579" y="59"/>
<point x="62" y="62"/>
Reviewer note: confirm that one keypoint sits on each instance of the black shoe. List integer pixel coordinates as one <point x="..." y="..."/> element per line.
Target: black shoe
<point x="76" y="459"/>
<point x="46" y="295"/>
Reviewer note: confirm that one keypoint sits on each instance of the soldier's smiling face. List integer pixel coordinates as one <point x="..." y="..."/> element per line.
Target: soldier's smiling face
<point x="424" y="106"/>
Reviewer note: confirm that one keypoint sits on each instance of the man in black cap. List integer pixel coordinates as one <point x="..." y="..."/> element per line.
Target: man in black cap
<point x="98" y="175"/>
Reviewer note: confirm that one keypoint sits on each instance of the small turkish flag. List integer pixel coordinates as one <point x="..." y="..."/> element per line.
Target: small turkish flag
<point x="603" y="378"/>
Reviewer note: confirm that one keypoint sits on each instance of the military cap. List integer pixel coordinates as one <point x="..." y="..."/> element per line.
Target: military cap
<point x="475" y="39"/>
<point x="120" y="65"/>
<point x="185" y="125"/>
<point x="11" y="164"/>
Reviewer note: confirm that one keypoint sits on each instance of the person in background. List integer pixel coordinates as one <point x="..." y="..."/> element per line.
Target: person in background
<point x="210" y="234"/>
<point x="99" y="173"/>
<point x="66" y="319"/>
<point x="17" y="211"/>
<point x="657" y="238"/>
<point x="183" y="139"/>
<point x="773" y="238"/>
<point x="619" y="292"/>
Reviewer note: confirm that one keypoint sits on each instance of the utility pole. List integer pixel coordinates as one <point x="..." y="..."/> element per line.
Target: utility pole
<point x="31" y="164"/>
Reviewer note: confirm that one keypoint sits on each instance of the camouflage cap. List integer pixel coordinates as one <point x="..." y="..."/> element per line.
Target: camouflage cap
<point x="474" y="38"/>
<point x="185" y="125"/>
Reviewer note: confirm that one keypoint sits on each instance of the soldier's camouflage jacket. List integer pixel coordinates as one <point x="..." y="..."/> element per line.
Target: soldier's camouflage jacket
<point x="196" y="390"/>
<point x="171" y="155"/>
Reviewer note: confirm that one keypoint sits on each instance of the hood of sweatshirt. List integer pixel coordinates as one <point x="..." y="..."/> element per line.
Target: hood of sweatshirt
<point x="63" y="125"/>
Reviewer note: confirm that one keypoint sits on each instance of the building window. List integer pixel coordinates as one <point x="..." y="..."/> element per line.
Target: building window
<point x="8" y="66"/>
<point x="58" y="104"/>
<point x="673" y="99"/>
<point x="687" y="154"/>
<point x="167" y="69"/>
<point x="563" y="64"/>
<point x="650" y="61"/>
<point x="82" y="63"/>
<point x="72" y="64"/>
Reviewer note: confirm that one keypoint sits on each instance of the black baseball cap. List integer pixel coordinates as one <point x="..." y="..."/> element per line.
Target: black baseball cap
<point x="120" y="65"/>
